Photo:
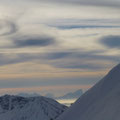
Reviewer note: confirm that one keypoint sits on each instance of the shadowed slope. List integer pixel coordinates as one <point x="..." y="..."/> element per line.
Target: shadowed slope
<point x="101" y="102"/>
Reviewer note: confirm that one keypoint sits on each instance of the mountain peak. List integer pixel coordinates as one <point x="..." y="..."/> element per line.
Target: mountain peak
<point x="101" y="102"/>
<point x="112" y="78"/>
<point x="33" y="108"/>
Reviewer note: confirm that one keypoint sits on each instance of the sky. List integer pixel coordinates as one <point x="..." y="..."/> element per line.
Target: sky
<point x="57" y="46"/>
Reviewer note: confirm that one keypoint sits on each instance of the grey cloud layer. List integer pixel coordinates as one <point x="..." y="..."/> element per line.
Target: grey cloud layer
<point x="44" y="41"/>
<point x="85" y="23"/>
<point x="86" y="26"/>
<point x="28" y="41"/>
<point x="16" y="83"/>
<point x="106" y="3"/>
<point x="111" y="41"/>
<point x="80" y="60"/>
<point x="81" y="55"/>
<point x="22" y="29"/>
<point x="6" y="59"/>
<point x="66" y="59"/>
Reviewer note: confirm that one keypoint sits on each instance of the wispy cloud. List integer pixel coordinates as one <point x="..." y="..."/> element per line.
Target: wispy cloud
<point x="62" y="59"/>
<point x="85" y="26"/>
<point x="7" y="27"/>
<point x="57" y="39"/>
<point x="106" y="3"/>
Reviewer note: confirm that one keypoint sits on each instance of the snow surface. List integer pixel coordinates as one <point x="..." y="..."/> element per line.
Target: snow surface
<point x="34" y="108"/>
<point x="101" y="102"/>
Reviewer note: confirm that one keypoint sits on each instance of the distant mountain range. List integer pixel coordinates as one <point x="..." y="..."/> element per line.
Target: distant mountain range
<point x="50" y="95"/>
<point x="31" y="108"/>
<point x="72" y="95"/>
<point x="28" y="94"/>
<point x="101" y="102"/>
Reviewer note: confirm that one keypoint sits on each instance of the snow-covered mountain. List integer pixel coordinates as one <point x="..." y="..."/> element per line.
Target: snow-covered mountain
<point x="101" y="102"/>
<point x="72" y="95"/>
<point x="33" y="108"/>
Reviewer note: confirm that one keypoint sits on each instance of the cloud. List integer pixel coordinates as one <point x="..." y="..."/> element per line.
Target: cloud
<point x="90" y="26"/>
<point x="57" y="55"/>
<point x="7" y="27"/>
<point x="73" y="59"/>
<point x="79" y="65"/>
<point x="22" y="30"/>
<point x="66" y="24"/>
<point x="86" y="26"/>
<point x="16" y="83"/>
<point x="28" y="41"/>
<point x="6" y="59"/>
<point x="80" y="54"/>
<point x="62" y="59"/>
<point x="106" y="3"/>
<point x="111" y="41"/>
<point x="13" y="58"/>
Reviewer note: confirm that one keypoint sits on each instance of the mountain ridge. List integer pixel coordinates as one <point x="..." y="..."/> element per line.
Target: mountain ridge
<point x="32" y="108"/>
<point x="72" y="95"/>
<point x="101" y="102"/>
